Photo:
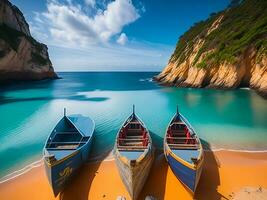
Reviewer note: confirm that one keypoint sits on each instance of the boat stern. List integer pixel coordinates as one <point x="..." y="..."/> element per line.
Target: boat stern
<point x="59" y="172"/>
<point x="188" y="173"/>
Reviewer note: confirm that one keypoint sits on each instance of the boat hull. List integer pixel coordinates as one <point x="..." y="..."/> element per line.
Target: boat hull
<point x="134" y="175"/>
<point x="62" y="172"/>
<point x="188" y="175"/>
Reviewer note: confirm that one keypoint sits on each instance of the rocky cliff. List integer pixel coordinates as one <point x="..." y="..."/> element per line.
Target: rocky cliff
<point x="228" y="50"/>
<point x="21" y="56"/>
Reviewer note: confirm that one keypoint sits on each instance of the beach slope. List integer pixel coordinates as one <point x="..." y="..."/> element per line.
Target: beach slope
<point x="226" y="175"/>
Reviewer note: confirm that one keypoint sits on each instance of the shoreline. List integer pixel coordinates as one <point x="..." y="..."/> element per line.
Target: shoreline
<point x="107" y="158"/>
<point x="259" y="91"/>
<point x="21" y="171"/>
<point x="225" y="174"/>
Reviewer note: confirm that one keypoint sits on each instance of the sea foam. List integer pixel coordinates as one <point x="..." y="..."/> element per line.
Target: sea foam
<point x="19" y="172"/>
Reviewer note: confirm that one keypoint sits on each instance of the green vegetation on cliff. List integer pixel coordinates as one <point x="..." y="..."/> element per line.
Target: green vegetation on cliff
<point x="242" y="26"/>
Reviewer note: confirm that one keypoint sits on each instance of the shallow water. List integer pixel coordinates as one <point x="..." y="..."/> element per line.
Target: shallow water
<point x="223" y="119"/>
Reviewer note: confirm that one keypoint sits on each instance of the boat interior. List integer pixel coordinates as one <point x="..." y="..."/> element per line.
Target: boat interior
<point x="133" y="136"/>
<point x="179" y="137"/>
<point x="181" y="141"/>
<point x="65" y="137"/>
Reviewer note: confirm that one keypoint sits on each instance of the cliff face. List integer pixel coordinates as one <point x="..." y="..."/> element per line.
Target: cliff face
<point x="226" y="51"/>
<point x="21" y="56"/>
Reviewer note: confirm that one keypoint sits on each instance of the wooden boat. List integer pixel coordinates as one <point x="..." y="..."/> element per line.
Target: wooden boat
<point x="134" y="154"/>
<point x="67" y="148"/>
<point x="183" y="151"/>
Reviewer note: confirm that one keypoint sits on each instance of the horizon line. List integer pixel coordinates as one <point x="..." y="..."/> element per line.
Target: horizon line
<point x="106" y="71"/>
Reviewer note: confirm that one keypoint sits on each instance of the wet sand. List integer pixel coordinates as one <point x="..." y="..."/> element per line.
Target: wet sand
<point x="226" y="175"/>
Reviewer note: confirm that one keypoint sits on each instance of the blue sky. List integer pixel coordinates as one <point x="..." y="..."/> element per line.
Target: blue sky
<point x="112" y="35"/>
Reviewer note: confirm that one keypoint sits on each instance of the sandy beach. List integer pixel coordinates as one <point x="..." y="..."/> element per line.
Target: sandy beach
<point x="226" y="175"/>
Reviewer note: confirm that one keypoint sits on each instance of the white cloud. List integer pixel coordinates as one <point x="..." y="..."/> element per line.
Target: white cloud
<point x="122" y="40"/>
<point x="70" y="23"/>
<point x="82" y="38"/>
<point x="90" y="3"/>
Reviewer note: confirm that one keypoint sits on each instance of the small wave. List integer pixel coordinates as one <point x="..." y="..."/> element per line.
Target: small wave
<point x="19" y="172"/>
<point x="237" y="150"/>
<point x="146" y="79"/>
<point x="38" y="163"/>
<point x="107" y="158"/>
<point x="245" y="88"/>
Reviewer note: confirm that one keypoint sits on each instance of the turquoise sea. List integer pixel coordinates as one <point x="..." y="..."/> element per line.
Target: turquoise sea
<point x="234" y="120"/>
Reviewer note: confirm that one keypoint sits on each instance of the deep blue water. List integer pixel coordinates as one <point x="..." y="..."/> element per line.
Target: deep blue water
<point x="223" y="119"/>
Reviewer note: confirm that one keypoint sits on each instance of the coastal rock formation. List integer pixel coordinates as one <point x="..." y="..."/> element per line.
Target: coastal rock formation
<point x="21" y="56"/>
<point x="228" y="50"/>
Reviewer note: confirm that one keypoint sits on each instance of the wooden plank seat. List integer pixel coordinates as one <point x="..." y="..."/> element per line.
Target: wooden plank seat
<point x="70" y="139"/>
<point x="134" y="136"/>
<point x="131" y="148"/>
<point x="182" y="138"/>
<point x="67" y="137"/>
<point x="70" y="147"/>
<point x="184" y="146"/>
<point x="60" y="143"/>
<point x="131" y="139"/>
<point x="65" y="145"/>
<point x="178" y="133"/>
<point x="125" y="143"/>
<point x="134" y="133"/>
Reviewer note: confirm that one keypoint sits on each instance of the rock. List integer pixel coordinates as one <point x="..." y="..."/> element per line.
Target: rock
<point x="13" y="17"/>
<point x="192" y="65"/>
<point x="121" y="198"/>
<point x="150" y="198"/>
<point x="21" y="56"/>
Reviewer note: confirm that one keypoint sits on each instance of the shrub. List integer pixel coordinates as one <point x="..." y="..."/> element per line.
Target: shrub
<point x="243" y="25"/>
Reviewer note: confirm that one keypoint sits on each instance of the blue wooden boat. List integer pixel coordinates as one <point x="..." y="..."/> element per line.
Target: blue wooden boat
<point x="66" y="149"/>
<point x="133" y="152"/>
<point x="183" y="152"/>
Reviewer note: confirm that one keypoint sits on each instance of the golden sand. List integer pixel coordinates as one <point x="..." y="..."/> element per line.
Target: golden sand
<point x="226" y="175"/>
